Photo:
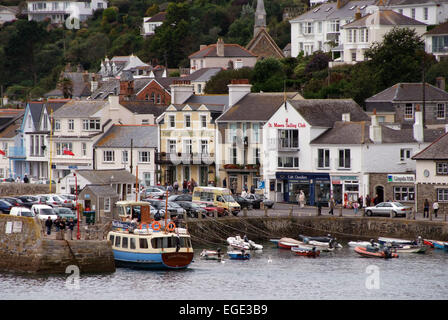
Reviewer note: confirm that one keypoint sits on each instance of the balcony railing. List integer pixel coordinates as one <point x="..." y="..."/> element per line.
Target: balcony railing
<point x="184" y="158"/>
<point x="17" y="152"/>
<point x="282" y="146"/>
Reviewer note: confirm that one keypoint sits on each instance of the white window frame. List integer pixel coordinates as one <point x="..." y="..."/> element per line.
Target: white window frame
<point x="441" y="168"/>
<point x="441" y="111"/>
<point x="405" y="154"/>
<point x="124" y="156"/>
<point x="189" y="121"/>
<point x="326" y="153"/>
<point x="71" y="125"/>
<point x="108" y="156"/>
<point x="84" y="149"/>
<point x="172" y="120"/>
<point x="106" y="204"/>
<point x="144" y="156"/>
<point x="282" y="160"/>
<point x="407" y="115"/>
<point x="442" y="195"/>
<point x="171" y="146"/>
<point x="57" y="125"/>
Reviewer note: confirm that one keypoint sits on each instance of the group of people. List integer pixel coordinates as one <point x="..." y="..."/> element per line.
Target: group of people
<point x="60" y="225"/>
<point x="187" y="186"/>
<point x="25" y="179"/>
<point x="435" y="208"/>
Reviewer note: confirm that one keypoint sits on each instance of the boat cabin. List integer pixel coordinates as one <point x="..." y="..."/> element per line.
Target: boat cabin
<point x="134" y="209"/>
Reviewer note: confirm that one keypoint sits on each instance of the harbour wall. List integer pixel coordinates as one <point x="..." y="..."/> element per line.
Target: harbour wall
<point x="24" y="248"/>
<point x="215" y="231"/>
<point x="17" y="189"/>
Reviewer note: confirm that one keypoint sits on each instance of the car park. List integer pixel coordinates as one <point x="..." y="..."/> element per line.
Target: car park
<point x="5" y="206"/>
<point x="192" y="209"/>
<point x="52" y="200"/>
<point x="257" y="199"/>
<point x="28" y="201"/>
<point x="21" y="212"/>
<point x="43" y="211"/>
<point x="66" y="213"/>
<point x="68" y="200"/>
<point x="154" y="192"/>
<point x="13" y="201"/>
<point x="173" y="209"/>
<point x="388" y="208"/>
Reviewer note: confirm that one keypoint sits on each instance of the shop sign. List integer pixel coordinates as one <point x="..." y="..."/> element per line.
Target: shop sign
<point x="403" y="178"/>
<point x="286" y="124"/>
<point x="260" y="185"/>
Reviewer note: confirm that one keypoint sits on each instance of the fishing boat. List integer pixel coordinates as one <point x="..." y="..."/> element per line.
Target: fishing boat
<point x="305" y="252"/>
<point x="211" y="254"/>
<point x="149" y="246"/>
<point x="440" y="245"/>
<point x="238" y="255"/>
<point x="374" y="254"/>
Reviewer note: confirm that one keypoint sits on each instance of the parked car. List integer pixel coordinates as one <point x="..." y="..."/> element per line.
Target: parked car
<point x="66" y="213"/>
<point x="180" y="197"/>
<point x="210" y="208"/>
<point x="243" y="202"/>
<point x="5" y="206"/>
<point x="386" y="208"/>
<point x="69" y="200"/>
<point x="257" y="199"/>
<point x="52" y="200"/>
<point x="154" y="192"/>
<point x="14" y="201"/>
<point x="43" y="211"/>
<point x="29" y="201"/>
<point x="7" y="180"/>
<point x="193" y="209"/>
<point x="21" y="212"/>
<point x="173" y="208"/>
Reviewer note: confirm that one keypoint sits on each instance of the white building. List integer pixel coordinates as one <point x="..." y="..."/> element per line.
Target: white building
<point x="59" y="11"/>
<point x="319" y="28"/>
<point x="151" y="23"/>
<point x="436" y="41"/>
<point x="8" y="13"/>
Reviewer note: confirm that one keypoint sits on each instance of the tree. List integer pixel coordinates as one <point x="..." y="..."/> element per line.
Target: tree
<point x="397" y="58"/>
<point x="218" y="83"/>
<point x="66" y="86"/>
<point x="268" y="76"/>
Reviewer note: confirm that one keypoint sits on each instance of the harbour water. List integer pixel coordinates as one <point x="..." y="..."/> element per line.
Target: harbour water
<point x="269" y="275"/>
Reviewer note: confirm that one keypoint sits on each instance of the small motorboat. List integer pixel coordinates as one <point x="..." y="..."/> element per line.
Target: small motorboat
<point x="238" y="255"/>
<point x="238" y="243"/>
<point x="410" y="249"/>
<point x="440" y="245"/>
<point x="305" y="252"/>
<point x="363" y="244"/>
<point x="274" y="241"/>
<point x="374" y="254"/>
<point x="429" y="243"/>
<point x="331" y="244"/>
<point x="211" y="254"/>
<point x="383" y="241"/>
<point x="288" y="243"/>
<point x="320" y="239"/>
<point x="255" y="246"/>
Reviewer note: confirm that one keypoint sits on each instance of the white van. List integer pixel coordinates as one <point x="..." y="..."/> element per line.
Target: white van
<point x="43" y="211"/>
<point x="21" y="212"/>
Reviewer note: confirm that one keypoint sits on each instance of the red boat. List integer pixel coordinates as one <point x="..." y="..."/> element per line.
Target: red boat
<point x="288" y="243"/>
<point x="428" y="243"/>
<point x="305" y="252"/>
<point x="377" y="254"/>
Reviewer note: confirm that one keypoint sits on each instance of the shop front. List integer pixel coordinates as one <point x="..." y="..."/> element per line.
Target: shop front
<point x="393" y="187"/>
<point x="345" y="189"/>
<point x="316" y="187"/>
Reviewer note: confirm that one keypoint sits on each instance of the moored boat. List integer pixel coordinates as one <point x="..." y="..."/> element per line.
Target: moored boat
<point x="440" y="245"/>
<point x="288" y="243"/>
<point x="238" y="255"/>
<point x="429" y="243"/>
<point x="327" y="238"/>
<point x="363" y="244"/>
<point x="374" y="254"/>
<point x="305" y="252"/>
<point x="211" y="254"/>
<point x="331" y="244"/>
<point x="384" y="240"/>
<point x="410" y="249"/>
<point x="238" y="243"/>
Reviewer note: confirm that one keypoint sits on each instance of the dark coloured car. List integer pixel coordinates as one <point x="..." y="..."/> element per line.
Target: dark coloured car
<point x="5" y="206"/>
<point x="243" y="202"/>
<point x="174" y="209"/>
<point x="180" y="197"/>
<point x="29" y="201"/>
<point x="257" y="199"/>
<point x="193" y="209"/>
<point x="13" y="201"/>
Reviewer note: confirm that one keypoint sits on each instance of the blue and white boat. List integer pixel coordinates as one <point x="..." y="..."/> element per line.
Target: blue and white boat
<point x="238" y="255"/>
<point x="440" y="245"/>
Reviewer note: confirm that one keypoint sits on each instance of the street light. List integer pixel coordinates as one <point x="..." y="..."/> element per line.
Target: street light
<point x="78" y="235"/>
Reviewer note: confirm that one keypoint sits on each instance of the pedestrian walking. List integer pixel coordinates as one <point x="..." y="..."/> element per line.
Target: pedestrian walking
<point x="360" y="202"/>
<point x="376" y="200"/>
<point x="331" y="205"/>
<point x="25" y="179"/>
<point x="435" y="207"/>
<point x="62" y="228"/>
<point x="184" y="186"/>
<point x="57" y="223"/>
<point x="355" y="207"/>
<point x="70" y="226"/>
<point x="176" y="186"/>
<point x="302" y="199"/>
<point x="368" y="201"/>
<point x="48" y="224"/>
<point x="426" y="209"/>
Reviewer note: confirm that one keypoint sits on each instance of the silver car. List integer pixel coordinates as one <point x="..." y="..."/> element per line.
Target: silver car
<point x="52" y="200"/>
<point x="386" y="208"/>
<point x="68" y="200"/>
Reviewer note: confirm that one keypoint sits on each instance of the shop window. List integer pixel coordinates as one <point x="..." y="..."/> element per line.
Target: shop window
<point x="404" y="193"/>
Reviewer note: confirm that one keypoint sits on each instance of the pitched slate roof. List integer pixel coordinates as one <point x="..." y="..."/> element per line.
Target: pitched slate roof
<point x="144" y="107"/>
<point x="230" y="50"/>
<point x="440" y="29"/>
<point x="411" y="2"/>
<point x="79" y="108"/>
<point x="380" y="106"/>
<point x="383" y="18"/>
<point x="158" y="17"/>
<point x="81" y="87"/>
<point x="104" y="191"/>
<point x="438" y="150"/>
<point x="203" y="74"/>
<point x="212" y="99"/>
<point x="256" y="107"/>
<point x="409" y="92"/>
<point x="325" y="112"/>
<point x="256" y="45"/>
<point x="107" y="176"/>
<point x="119" y="136"/>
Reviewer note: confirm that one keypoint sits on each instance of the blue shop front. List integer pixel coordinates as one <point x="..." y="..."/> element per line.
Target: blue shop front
<point x="316" y="186"/>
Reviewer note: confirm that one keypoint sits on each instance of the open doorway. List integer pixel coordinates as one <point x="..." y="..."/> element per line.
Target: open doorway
<point x="379" y="190"/>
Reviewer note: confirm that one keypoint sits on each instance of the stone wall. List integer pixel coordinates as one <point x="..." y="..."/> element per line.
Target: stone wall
<point x="24" y="248"/>
<point x="208" y="231"/>
<point x="18" y="189"/>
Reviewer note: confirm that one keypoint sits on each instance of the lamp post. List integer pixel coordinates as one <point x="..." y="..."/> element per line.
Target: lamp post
<point x="78" y="235"/>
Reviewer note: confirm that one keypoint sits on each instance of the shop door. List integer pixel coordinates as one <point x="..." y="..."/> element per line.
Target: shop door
<point x="380" y="193"/>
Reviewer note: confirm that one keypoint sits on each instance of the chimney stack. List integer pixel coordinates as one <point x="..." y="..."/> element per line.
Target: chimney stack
<point x="181" y="91"/>
<point x="418" y="125"/>
<point x="220" y="48"/>
<point x="440" y="83"/>
<point x="375" y="132"/>
<point x="238" y="89"/>
<point x="126" y="85"/>
<point x="358" y="14"/>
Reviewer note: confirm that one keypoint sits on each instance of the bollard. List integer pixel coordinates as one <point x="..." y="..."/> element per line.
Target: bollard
<point x="245" y="212"/>
<point x="265" y="211"/>
<point x="290" y="212"/>
<point x="340" y="210"/>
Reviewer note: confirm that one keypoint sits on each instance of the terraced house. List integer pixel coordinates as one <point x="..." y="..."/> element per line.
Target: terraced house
<point x="187" y="136"/>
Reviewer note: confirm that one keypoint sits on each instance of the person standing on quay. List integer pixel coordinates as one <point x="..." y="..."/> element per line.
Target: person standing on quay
<point x="48" y="224"/>
<point x="331" y="205"/>
<point x="355" y="206"/>
<point x="426" y="209"/>
<point x="302" y="199"/>
<point x="70" y="226"/>
<point x="435" y="206"/>
<point x="368" y="201"/>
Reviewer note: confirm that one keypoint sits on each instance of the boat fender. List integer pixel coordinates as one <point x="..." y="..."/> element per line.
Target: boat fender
<point x="156" y="226"/>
